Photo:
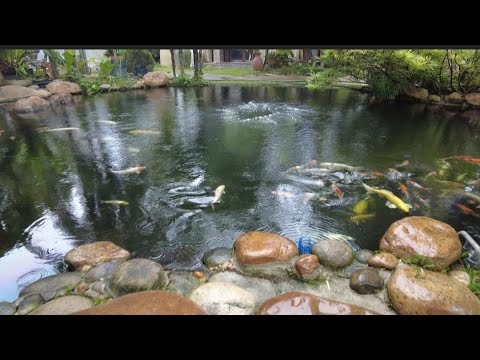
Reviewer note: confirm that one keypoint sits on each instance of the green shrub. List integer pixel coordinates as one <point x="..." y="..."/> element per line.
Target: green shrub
<point x="139" y="60"/>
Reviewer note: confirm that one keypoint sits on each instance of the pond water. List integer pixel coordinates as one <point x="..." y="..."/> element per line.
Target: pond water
<point x="54" y="184"/>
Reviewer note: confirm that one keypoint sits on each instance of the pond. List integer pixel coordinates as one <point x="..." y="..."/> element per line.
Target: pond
<point x="55" y="186"/>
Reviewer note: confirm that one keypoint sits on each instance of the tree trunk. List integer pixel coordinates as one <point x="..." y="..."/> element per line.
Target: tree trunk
<point x="172" y="54"/>
<point x="181" y="62"/>
<point x="82" y="60"/>
<point x="200" y="62"/>
<point x="266" y="58"/>
<point x="196" y="75"/>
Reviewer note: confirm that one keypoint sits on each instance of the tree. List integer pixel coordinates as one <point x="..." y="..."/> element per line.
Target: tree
<point x="196" y="74"/>
<point x="181" y="62"/>
<point x="172" y="54"/>
<point x="83" y="62"/>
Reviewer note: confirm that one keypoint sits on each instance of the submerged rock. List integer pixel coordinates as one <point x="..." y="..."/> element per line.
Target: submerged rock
<point x="217" y="257"/>
<point x="362" y="256"/>
<point x="31" y="104"/>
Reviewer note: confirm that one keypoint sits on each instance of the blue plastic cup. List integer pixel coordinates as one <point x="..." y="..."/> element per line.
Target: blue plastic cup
<point x="305" y="245"/>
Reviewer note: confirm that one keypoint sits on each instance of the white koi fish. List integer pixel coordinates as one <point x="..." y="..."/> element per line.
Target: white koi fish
<point x="131" y="170"/>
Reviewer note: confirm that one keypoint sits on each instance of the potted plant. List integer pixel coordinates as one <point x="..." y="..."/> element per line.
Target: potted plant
<point x="14" y="67"/>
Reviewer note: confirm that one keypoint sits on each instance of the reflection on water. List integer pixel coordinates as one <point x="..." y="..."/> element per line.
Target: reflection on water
<point x="53" y="185"/>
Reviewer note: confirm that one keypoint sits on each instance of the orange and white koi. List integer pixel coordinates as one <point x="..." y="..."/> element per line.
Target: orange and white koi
<point x="337" y="190"/>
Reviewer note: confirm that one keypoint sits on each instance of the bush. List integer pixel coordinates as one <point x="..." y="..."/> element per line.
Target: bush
<point x="279" y="58"/>
<point x="139" y="62"/>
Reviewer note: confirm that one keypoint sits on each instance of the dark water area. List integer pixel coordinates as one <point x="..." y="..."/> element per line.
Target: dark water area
<point x="54" y="184"/>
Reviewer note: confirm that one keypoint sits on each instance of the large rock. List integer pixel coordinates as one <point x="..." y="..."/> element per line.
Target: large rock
<point x="434" y="98"/>
<point x="64" y="305"/>
<point x="28" y="303"/>
<point x="61" y="87"/>
<point x="138" y="275"/>
<point x="333" y="253"/>
<point x="221" y="298"/>
<point x="18" y="92"/>
<point x="147" y="303"/>
<point x="454" y="98"/>
<point x="417" y="93"/>
<point x="366" y="281"/>
<point x="425" y="237"/>
<point x="7" y="308"/>
<point x="31" y="104"/>
<point x="60" y="99"/>
<point x="383" y="260"/>
<point x="103" y="271"/>
<point x="415" y="291"/>
<point x="473" y="99"/>
<point x="257" y="247"/>
<point x="53" y="286"/>
<point x="297" y="303"/>
<point x="95" y="253"/>
<point x="155" y="79"/>
<point x="217" y="257"/>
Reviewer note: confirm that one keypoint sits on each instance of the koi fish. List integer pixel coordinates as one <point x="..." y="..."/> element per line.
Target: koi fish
<point x="393" y="201"/>
<point x="363" y="217"/>
<point x="466" y="158"/>
<point x="131" y="170"/>
<point x="58" y="129"/>
<point x="467" y="211"/>
<point x="283" y="193"/>
<point x="403" y="164"/>
<point x="107" y="122"/>
<point x="219" y="191"/>
<point x="415" y="185"/>
<point x="374" y="174"/>
<point x="474" y="182"/>
<point x="337" y="190"/>
<point x="114" y="202"/>
<point x="339" y="167"/>
<point x="144" y="132"/>
<point x="362" y="206"/>
<point x="403" y="189"/>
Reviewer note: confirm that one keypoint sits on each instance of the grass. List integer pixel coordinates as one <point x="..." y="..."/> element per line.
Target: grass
<point x="102" y="300"/>
<point x="228" y="71"/>
<point x="257" y="83"/>
<point x="474" y="279"/>
<point x="163" y="68"/>
<point x="420" y="261"/>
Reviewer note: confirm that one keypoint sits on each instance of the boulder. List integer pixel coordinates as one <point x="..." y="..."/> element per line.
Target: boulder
<point x="383" y="260"/>
<point x="473" y="99"/>
<point x="417" y="93"/>
<point x="416" y="291"/>
<point x="138" y="275"/>
<point x="31" y="104"/>
<point x="333" y="253"/>
<point x="454" y="98"/>
<point x="147" y="303"/>
<point x="95" y="253"/>
<point x="54" y="285"/>
<point x="366" y="281"/>
<point x="61" y="87"/>
<point x="297" y="303"/>
<point x="19" y="92"/>
<point x="64" y="305"/>
<point x="221" y="298"/>
<point x="420" y="236"/>
<point x="155" y="79"/>
<point x="217" y="257"/>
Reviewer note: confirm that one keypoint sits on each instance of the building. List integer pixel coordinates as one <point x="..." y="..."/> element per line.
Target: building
<point x="218" y="56"/>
